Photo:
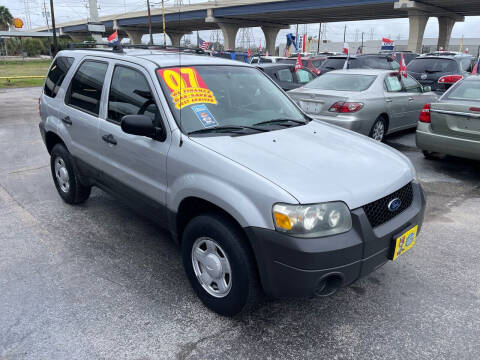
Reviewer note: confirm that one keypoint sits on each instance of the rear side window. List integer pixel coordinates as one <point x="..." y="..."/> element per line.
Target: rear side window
<point x="466" y="64"/>
<point x="393" y="84"/>
<point x="334" y="64"/>
<point x="57" y="73"/>
<point x="303" y="76"/>
<point x="130" y="94"/>
<point x="411" y="85"/>
<point x="86" y="87"/>
<point x="284" y="75"/>
<point x="432" y="65"/>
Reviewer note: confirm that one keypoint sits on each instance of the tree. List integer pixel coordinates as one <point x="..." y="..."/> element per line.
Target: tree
<point x="5" y="18"/>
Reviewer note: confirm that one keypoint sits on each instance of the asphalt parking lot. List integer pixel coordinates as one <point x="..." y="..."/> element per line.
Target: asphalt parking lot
<point x="97" y="281"/>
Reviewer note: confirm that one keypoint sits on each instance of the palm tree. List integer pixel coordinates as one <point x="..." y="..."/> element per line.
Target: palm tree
<point x="5" y="18"/>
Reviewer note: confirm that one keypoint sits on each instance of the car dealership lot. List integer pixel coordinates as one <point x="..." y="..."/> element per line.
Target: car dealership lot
<point x="99" y="281"/>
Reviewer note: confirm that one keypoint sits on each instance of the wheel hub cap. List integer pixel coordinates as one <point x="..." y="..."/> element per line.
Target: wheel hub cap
<point x="212" y="267"/>
<point x="61" y="173"/>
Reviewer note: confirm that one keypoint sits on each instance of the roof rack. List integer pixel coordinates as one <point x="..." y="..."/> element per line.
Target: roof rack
<point x="119" y="48"/>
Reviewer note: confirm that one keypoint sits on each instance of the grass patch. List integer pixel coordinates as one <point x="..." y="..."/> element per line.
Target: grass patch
<point x="23" y="68"/>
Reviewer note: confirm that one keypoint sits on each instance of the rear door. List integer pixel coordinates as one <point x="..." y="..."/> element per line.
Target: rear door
<point x="134" y="166"/>
<point x="396" y="100"/>
<point x="416" y="100"/>
<point x="458" y="114"/>
<point x="80" y="112"/>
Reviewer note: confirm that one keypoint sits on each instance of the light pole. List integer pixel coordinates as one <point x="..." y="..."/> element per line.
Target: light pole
<point x="150" y="22"/>
<point x="163" y="22"/>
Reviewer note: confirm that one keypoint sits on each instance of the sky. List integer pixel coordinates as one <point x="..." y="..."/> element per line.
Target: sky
<point x="68" y="10"/>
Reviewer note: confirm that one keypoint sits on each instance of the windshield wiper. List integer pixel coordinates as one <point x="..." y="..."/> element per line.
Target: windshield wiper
<point x="281" y="122"/>
<point x="432" y="71"/>
<point x="227" y="128"/>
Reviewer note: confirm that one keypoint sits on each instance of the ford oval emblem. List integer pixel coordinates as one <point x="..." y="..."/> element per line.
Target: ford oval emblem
<point x="395" y="204"/>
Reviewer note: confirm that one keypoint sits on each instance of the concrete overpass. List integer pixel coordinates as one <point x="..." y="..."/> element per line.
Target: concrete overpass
<point x="273" y="15"/>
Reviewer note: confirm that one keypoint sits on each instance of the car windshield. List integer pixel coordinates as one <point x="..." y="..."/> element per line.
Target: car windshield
<point x="466" y="90"/>
<point x="342" y="82"/>
<point x="224" y="96"/>
<point x="432" y="65"/>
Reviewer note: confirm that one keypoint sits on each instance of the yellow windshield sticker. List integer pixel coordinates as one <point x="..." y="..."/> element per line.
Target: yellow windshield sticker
<point x="186" y="87"/>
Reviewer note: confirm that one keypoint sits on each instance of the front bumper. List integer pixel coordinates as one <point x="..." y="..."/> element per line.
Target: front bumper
<point x="295" y="267"/>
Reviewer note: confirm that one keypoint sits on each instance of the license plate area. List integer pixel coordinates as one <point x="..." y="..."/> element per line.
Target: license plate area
<point x="311" y="107"/>
<point x="401" y="244"/>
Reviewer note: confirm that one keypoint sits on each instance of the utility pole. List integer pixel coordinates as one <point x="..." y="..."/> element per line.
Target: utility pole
<point x="47" y="14"/>
<point x="319" y="36"/>
<point x="163" y="22"/>
<point x="54" y="50"/>
<point x="150" y="21"/>
<point x="296" y="39"/>
<point x="93" y="8"/>
<point x="362" y="43"/>
<point x="345" y="34"/>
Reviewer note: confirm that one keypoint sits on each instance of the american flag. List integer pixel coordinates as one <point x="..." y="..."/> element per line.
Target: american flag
<point x="204" y="45"/>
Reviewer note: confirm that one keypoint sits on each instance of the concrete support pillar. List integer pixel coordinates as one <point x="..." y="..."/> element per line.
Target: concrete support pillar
<point x="445" y="27"/>
<point x="175" y="38"/>
<point x="229" y="35"/>
<point x="134" y="36"/>
<point x="418" y="22"/>
<point x="270" y="38"/>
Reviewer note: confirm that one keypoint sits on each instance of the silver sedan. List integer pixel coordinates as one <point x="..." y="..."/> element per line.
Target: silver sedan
<point x="372" y="102"/>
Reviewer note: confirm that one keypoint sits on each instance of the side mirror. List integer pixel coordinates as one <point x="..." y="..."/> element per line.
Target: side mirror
<point x="427" y="89"/>
<point x="141" y="125"/>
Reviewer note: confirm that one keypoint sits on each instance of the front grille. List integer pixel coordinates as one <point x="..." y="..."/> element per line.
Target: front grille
<point x="378" y="213"/>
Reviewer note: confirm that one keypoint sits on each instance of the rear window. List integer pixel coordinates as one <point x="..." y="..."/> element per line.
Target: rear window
<point x="57" y="73"/>
<point x="338" y="63"/>
<point x="376" y="62"/>
<point x="466" y="90"/>
<point x="342" y="82"/>
<point x="432" y="65"/>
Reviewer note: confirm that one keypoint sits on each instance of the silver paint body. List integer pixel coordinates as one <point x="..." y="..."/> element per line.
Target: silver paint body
<point x="244" y="175"/>
<point x="401" y="108"/>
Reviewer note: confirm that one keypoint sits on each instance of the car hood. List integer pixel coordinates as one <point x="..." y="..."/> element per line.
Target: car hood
<point x="318" y="162"/>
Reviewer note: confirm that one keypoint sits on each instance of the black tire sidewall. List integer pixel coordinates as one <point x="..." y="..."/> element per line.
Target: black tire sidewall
<point x="60" y="151"/>
<point x="225" y="234"/>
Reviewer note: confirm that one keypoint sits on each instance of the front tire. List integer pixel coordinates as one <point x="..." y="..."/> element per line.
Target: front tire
<point x="220" y="264"/>
<point x="66" y="180"/>
<point x="379" y="129"/>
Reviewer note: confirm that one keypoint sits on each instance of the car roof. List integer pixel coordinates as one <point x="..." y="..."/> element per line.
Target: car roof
<point x="162" y="58"/>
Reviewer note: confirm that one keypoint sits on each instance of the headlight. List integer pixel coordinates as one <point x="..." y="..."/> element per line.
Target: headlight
<point x="314" y="220"/>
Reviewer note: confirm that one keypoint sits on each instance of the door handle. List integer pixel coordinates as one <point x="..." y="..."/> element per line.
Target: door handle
<point x="110" y="139"/>
<point x="410" y="99"/>
<point x="388" y="100"/>
<point x="67" y="120"/>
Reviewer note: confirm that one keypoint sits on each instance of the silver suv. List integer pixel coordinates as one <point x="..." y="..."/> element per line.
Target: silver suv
<point x="261" y="199"/>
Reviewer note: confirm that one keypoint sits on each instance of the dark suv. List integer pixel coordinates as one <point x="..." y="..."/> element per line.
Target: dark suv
<point x="440" y="70"/>
<point x="367" y="61"/>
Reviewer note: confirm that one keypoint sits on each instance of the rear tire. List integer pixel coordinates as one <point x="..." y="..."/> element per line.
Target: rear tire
<point x="220" y="265"/>
<point x="65" y="177"/>
<point x="379" y="129"/>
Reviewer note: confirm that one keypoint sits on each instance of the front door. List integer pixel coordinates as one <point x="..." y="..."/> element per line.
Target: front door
<point x="134" y="166"/>
<point x="416" y="100"/>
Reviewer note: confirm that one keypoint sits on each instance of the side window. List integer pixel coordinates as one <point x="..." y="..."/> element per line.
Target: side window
<point x="466" y="64"/>
<point x="303" y="76"/>
<point x="57" y="73"/>
<point x="130" y="94"/>
<point x="284" y="75"/>
<point x="411" y="85"/>
<point x="86" y="87"/>
<point x="396" y="65"/>
<point x="254" y="61"/>
<point x="393" y="84"/>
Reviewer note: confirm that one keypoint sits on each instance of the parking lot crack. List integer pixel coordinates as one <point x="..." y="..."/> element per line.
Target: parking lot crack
<point x="190" y="347"/>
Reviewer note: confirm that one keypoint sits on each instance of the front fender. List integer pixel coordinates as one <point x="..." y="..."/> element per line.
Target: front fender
<point x="227" y="197"/>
